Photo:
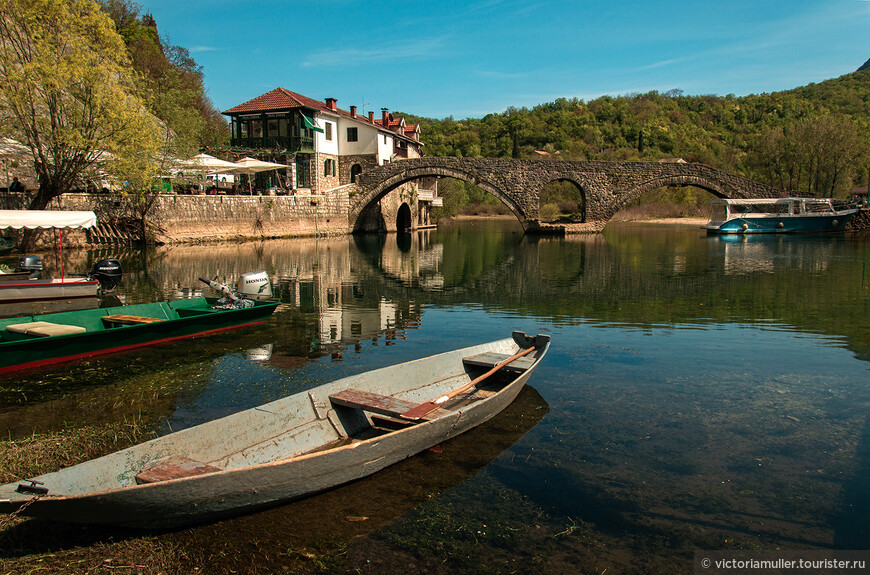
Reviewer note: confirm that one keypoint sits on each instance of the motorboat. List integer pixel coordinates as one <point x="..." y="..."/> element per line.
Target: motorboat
<point x="777" y="216"/>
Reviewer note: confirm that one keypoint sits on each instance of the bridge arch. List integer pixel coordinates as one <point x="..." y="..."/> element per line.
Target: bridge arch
<point x="373" y="193"/>
<point x="403" y="218"/>
<point x="575" y="185"/>
<point x="713" y="187"/>
<point x="355" y="171"/>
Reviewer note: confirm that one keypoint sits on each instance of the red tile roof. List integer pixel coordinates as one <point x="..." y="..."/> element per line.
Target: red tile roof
<point x="282" y="99"/>
<point x="277" y="99"/>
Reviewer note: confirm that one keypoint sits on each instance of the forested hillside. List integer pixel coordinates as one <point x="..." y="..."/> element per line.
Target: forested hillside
<point x="812" y="139"/>
<point x="173" y="83"/>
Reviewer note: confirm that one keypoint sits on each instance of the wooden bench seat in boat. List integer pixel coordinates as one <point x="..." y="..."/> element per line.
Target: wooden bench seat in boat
<point x="490" y="359"/>
<point x="44" y="328"/>
<point x="377" y="403"/>
<point x="174" y="468"/>
<point x="124" y="319"/>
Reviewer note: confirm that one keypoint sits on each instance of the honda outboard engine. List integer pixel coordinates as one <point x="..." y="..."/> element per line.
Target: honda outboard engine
<point x="32" y="264"/>
<point x="255" y="285"/>
<point x="108" y="272"/>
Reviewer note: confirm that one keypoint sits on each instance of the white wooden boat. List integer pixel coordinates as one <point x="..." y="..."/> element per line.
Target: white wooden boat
<point x="18" y="287"/>
<point x="292" y="447"/>
<point x="29" y="290"/>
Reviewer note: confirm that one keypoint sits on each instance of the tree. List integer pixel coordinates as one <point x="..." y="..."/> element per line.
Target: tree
<point x="68" y="93"/>
<point x="812" y="155"/>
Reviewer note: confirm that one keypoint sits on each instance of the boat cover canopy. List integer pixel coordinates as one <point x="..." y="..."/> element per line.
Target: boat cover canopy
<point x="47" y="219"/>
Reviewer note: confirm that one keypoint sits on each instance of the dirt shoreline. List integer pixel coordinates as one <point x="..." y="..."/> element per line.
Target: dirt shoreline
<point x="673" y="221"/>
<point x="690" y="221"/>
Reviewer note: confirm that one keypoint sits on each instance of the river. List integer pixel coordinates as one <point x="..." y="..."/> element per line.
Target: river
<point x="700" y="393"/>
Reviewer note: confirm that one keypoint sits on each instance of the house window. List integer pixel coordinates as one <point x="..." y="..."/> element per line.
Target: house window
<point x="256" y="129"/>
<point x="352" y="135"/>
<point x="328" y="133"/>
<point x="329" y="167"/>
<point x="385" y="138"/>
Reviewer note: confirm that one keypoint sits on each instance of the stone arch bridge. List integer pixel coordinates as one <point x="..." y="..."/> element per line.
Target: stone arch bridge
<point x="606" y="187"/>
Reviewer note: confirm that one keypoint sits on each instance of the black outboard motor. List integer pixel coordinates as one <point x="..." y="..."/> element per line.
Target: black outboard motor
<point x="108" y="272"/>
<point x="32" y="264"/>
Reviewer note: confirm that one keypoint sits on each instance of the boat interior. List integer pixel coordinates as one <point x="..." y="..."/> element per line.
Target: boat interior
<point x="354" y="415"/>
<point x="22" y="328"/>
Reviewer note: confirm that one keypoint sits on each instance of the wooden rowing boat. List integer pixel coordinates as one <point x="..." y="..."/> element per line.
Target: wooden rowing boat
<point x="40" y="340"/>
<point x="296" y="446"/>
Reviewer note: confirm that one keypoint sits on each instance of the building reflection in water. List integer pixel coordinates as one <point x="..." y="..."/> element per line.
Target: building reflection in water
<point x="329" y="277"/>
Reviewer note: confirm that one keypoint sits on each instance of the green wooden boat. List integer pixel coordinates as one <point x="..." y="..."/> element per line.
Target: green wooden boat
<point x="39" y="340"/>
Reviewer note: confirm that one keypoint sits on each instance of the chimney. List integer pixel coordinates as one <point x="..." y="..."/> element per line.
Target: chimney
<point x="371" y="117"/>
<point x="385" y="116"/>
<point x="353" y="111"/>
<point x="330" y="103"/>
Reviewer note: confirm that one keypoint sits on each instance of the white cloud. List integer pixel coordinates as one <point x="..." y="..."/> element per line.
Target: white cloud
<point x="402" y="50"/>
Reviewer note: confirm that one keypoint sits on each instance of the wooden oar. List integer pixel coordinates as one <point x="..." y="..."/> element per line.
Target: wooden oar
<point x="420" y="411"/>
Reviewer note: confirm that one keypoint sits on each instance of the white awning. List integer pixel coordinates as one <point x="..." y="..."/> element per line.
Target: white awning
<point x="33" y="219"/>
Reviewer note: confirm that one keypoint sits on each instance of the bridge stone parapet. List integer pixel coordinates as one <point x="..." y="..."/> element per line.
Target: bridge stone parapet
<point x="606" y="187"/>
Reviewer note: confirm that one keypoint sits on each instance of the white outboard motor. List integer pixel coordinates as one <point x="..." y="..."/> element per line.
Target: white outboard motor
<point x="255" y="285"/>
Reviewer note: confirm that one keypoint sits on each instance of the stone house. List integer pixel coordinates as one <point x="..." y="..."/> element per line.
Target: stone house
<point x="325" y="147"/>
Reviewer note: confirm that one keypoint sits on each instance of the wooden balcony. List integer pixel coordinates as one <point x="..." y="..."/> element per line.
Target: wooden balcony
<point x="291" y="144"/>
<point x="429" y="196"/>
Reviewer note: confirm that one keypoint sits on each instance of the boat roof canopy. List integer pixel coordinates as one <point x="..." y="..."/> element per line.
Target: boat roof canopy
<point x="749" y="201"/>
<point x="46" y="219"/>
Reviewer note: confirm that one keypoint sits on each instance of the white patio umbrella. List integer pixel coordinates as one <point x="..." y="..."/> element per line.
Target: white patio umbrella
<point x="252" y="165"/>
<point x="205" y="164"/>
<point x="10" y="153"/>
<point x="249" y="165"/>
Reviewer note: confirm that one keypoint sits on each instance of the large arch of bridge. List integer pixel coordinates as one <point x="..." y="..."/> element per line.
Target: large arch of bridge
<point x="660" y="182"/>
<point x="392" y="182"/>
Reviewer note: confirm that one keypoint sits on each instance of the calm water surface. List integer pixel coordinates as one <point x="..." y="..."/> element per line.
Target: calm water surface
<point x="700" y="393"/>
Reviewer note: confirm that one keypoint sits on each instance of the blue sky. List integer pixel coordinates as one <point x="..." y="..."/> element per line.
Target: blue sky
<point x="439" y="58"/>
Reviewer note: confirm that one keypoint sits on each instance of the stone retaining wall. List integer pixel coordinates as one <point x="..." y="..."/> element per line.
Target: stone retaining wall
<point x="860" y="222"/>
<point x="183" y="218"/>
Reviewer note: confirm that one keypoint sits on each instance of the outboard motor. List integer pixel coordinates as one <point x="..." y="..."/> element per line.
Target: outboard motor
<point x="108" y="272"/>
<point x="32" y="264"/>
<point x="255" y="285"/>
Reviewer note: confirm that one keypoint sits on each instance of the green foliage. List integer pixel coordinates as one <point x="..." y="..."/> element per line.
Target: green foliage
<point x="561" y="200"/>
<point x="172" y="80"/>
<point x="69" y="94"/>
<point x="462" y="197"/>
<point x="750" y="135"/>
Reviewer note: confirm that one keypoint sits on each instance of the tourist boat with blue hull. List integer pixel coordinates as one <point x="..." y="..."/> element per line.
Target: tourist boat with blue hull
<point x="296" y="446"/>
<point x="41" y="340"/>
<point x="777" y="216"/>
